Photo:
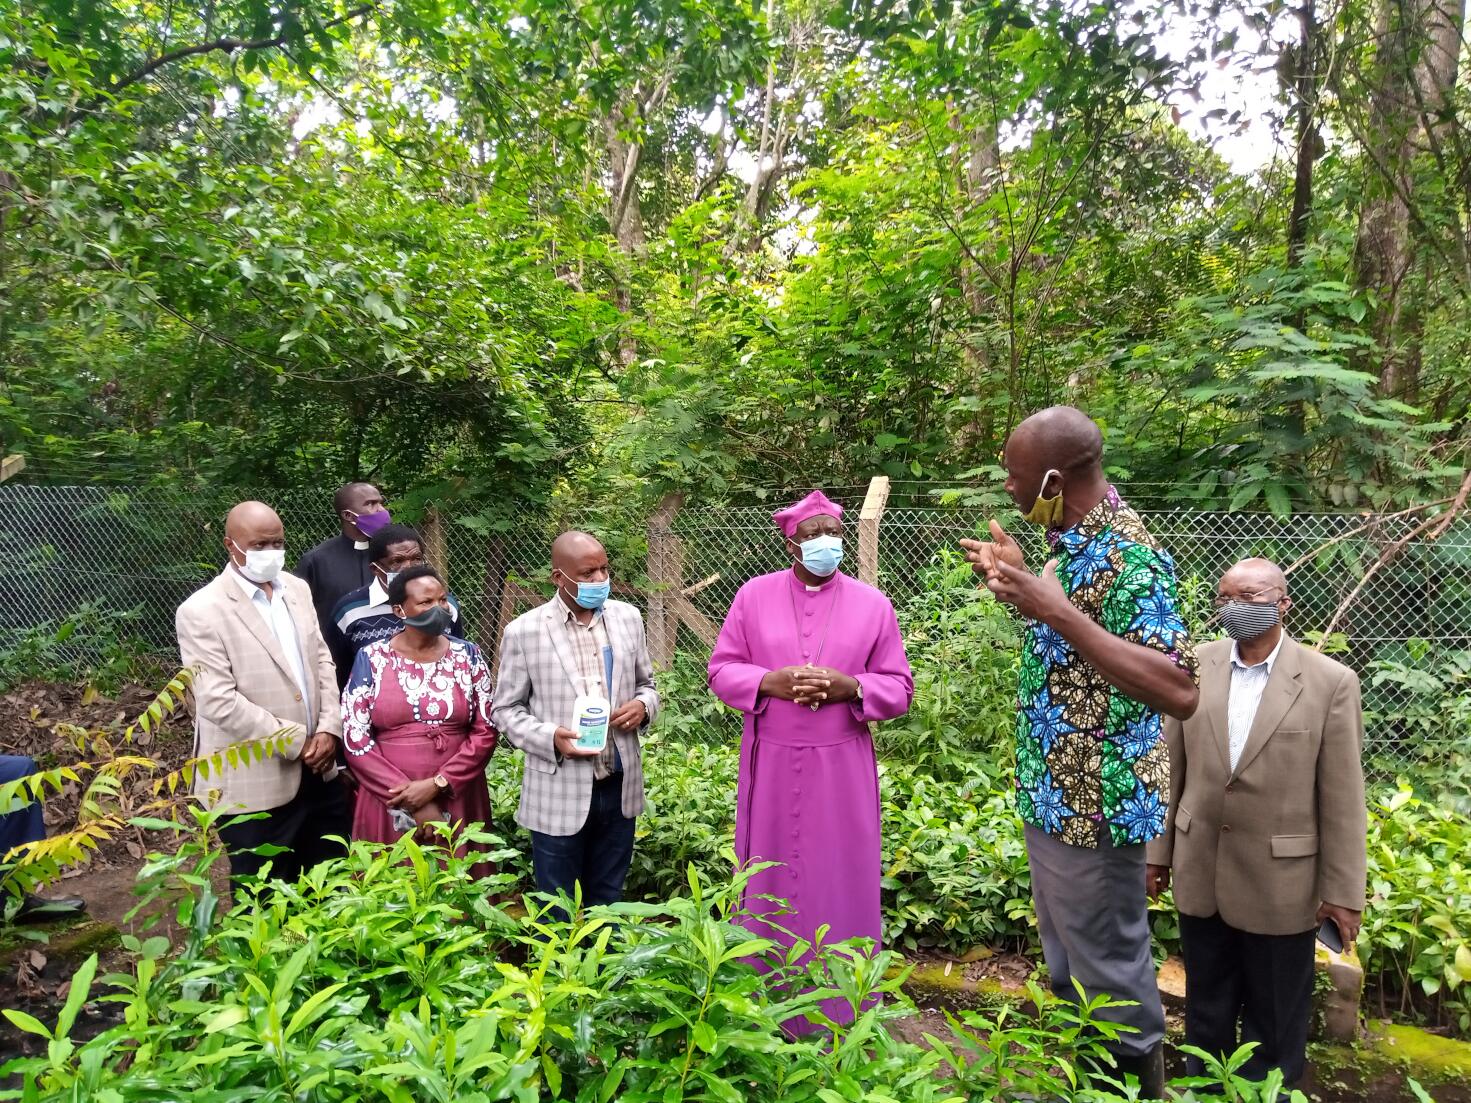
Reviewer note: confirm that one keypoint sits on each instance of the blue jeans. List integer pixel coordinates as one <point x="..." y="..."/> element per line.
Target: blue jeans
<point x="24" y="825"/>
<point x="598" y="856"/>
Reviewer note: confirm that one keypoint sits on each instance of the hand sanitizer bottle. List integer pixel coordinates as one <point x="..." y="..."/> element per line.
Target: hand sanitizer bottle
<point x="590" y="721"/>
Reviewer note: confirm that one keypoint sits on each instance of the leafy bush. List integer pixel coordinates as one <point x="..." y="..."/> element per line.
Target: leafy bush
<point x="1417" y="936"/>
<point x="389" y="975"/>
<point x="691" y="715"/>
<point x="955" y="867"/>
<point x="963" y="649"/>
<point x="955" y="863"/>
<point x="94" y="644"/>
<point x="1416" y="701"/>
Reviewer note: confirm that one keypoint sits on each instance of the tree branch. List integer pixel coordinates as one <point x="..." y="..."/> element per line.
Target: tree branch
<point x="223" y="45"/>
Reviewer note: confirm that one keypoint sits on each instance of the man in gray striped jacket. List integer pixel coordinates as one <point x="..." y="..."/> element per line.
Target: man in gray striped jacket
<point x="579" y="805"/>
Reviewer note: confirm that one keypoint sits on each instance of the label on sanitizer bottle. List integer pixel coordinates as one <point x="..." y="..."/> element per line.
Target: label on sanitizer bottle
<point x="590" y="721"/>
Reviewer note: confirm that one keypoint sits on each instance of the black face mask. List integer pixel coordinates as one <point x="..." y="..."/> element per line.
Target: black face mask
<point x="434" y="621"/>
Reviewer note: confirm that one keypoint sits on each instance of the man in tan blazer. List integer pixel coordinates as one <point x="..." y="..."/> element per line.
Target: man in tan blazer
<point x="1266" y="826"/>
<point x="262" y="674"/>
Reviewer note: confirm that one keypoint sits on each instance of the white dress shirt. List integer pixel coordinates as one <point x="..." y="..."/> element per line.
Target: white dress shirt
<point x="278" y="619"/>
<point x="1247" y="684"/>
<point x="377" y="593"/>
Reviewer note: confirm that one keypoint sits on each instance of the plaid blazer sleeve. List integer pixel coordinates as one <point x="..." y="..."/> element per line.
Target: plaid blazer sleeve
<point x="522" y="663"/>
<point x="217" y="695"/>
<point x="643" y="670"/>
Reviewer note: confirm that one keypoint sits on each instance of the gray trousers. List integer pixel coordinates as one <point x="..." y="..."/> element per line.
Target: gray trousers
<point x="1094" y="920"/>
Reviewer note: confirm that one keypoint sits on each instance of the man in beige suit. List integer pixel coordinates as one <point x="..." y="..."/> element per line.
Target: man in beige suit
<point x="1266" y="826"/>
<point x="263" y="674"/>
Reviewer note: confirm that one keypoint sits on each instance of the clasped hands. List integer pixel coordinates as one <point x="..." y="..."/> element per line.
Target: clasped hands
<point x="626" y="718"/>
<point x="1000" y="565"/>
<point x="809" y="685"/>
<point x="320" y="752"/>
<point x="421" y="800"/>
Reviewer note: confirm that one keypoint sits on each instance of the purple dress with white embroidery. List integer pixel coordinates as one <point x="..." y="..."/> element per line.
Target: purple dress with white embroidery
<point x="404" y="720"/>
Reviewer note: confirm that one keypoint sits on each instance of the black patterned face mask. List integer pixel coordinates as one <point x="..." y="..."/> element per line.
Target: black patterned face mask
<point x="1246" y="620"/>
<point x="435" y="620"/>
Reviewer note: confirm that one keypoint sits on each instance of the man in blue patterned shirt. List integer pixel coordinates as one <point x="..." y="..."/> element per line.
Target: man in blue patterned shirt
<point x="1105" y="653"/>
<point x="366" y="615"/>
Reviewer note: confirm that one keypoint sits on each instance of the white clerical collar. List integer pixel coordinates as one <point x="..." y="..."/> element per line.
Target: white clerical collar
<point x="359" y="545"/>
<point x="1269" y="662"/>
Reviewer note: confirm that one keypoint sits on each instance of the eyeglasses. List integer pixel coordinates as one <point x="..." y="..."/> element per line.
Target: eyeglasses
<point x="1222" y="600"/>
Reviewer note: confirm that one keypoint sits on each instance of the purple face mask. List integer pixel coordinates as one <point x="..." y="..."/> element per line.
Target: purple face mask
<point x="370" y="523"/>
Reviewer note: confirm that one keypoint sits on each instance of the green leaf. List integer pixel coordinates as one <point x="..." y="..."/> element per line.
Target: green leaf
<point x="233" y="1015"/>
<point x="611" y="1081"/>
<point x="29" y="1023"/>
<point x="312" y="1009"/>
<point x="1463" y="962"/>
<point x="704" y="1036"/>
<point x="1277" y="499"/>
<point x="76" y="996"/>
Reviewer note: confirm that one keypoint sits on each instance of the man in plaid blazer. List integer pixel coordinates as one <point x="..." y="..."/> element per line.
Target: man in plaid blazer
<point x="262" y="673"/>
<point x="579" y="805"/>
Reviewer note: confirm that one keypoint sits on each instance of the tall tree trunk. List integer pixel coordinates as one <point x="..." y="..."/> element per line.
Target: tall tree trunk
<point x="1305" y="85"/>
<point x="1415" y="70"/>
<point x="625" y="215"/>
<point x="981" y="166"/>
<point x="782" y="99"/>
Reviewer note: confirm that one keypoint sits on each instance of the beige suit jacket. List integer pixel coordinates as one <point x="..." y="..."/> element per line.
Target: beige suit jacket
<point x="1265" y="844"/>
<point x="244" y="691"/>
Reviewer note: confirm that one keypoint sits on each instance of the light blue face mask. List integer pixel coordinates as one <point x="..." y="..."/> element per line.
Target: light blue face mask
<point x="822" y="554"/>
<point x="591" y="595"/>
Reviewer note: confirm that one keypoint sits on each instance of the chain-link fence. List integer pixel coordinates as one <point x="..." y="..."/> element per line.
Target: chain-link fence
<point x="1406" y="628"/>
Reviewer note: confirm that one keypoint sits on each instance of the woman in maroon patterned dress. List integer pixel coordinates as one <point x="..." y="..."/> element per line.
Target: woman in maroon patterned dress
<point x="416" y="719"/>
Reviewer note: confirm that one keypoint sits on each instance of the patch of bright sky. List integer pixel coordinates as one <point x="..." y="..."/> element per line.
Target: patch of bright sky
<point x="1245" y="82"/>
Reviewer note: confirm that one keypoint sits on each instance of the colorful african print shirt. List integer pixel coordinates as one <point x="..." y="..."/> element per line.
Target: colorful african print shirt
<point x="1086" y="754"/>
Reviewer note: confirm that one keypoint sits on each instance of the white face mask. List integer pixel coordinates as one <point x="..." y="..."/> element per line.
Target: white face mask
<point x="262" y="564"/>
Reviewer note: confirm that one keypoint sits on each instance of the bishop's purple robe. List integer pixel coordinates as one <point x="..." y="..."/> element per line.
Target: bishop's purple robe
<point x="808" y="792"/>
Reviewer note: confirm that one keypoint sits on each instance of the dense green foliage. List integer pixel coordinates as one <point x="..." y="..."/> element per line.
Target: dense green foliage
<point x="1417" y="928"/>
<point x="489" y="251"/>
<point x="391" y="976"/>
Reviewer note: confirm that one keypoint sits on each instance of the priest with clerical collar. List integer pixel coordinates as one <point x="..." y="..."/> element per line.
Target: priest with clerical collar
<point x="811" y="655"/>
<point x="341" y="563"/>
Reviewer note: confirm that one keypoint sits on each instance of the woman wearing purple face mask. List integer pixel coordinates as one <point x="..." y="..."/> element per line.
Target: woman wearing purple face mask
<point x="340" y="564"/>
<point x="416" y="720"/>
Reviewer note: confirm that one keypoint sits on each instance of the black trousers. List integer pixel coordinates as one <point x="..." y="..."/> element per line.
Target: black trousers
<point x="598" y="856"/>
<point x="1262" y="984"/>
<point x="301" y="827"/>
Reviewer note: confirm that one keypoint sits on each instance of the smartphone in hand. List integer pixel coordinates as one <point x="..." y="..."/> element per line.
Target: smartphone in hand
<point x="1329" y="935"/>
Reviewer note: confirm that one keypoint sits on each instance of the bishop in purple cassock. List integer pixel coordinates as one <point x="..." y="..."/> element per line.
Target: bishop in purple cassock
<point x="811" y="655"/>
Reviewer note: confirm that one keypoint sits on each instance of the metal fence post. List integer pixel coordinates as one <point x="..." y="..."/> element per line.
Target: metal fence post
<point x="868" y="529"/>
